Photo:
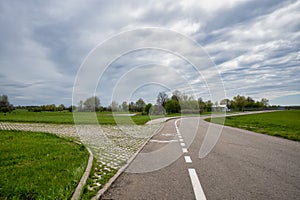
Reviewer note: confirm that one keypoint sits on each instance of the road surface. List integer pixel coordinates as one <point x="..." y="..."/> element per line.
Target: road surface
<point x="242" y="165"/>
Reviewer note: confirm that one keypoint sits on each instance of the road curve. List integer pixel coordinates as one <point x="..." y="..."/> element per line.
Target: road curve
<point x="242" y="165"/>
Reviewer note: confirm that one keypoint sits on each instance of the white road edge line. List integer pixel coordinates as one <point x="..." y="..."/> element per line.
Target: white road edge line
<point x="198" y="191"/>
<point x="187" y="159"/>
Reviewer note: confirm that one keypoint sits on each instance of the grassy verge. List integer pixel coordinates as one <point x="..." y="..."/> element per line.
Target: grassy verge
<point x="39" y="165"/>
<point x="99" y="176"/>
<point x="284" y="124"/>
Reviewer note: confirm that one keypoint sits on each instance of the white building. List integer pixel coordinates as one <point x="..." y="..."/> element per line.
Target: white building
<point x="220" y="108"/>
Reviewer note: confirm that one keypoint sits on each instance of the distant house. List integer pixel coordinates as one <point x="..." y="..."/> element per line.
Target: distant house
<point x="220" y="108"/>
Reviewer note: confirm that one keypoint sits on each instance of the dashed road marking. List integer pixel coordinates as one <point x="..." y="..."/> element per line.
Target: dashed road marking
<point x="198" y="191"/>
<point x="187" y="159"/>
<point x="163" y="141"/>
<point x="167" y="134"/>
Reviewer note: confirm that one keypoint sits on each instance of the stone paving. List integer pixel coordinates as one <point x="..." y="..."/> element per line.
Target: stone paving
<point x="112" y="146"/>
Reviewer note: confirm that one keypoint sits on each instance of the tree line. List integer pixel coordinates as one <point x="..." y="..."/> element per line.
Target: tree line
<point x="178" y="102"/>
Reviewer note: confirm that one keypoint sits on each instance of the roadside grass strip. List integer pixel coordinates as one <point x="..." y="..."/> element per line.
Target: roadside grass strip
<point x="112" y="146"/>
<point x="36" y="165"/>
<point x="285" y="124"/>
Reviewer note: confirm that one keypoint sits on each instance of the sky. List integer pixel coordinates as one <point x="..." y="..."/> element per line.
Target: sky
<point x="254" y="46"/>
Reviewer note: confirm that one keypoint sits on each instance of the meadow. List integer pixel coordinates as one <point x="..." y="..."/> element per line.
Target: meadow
<point x="37" y="165"/>
<point x="284" y="124"/>
<point x="66" y="117"/>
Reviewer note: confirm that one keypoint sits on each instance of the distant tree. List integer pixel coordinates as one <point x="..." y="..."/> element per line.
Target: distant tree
<point x="201" y="105"/>
<point x="132" y="107"/>
<point x="61" y="107"/>
<point x="147" y="108"/>
<point x="114" y="106"/>
<point x="162" y="98"/>
<point x="240" y="102"/>
<point x="175" y="98"/>
<point x="5" y="106"/>
<point x="172" y="106"/>
<point x="71" y="108"/>
<point x="91" y="104"/>
<point x="185" y="97"/>
<point x="177" y="95"/>
<point x="226" y="102"/>
<point x="125" y="106"/>
<point x="208" y="106"/>
<point x="49" y="107"/>
<point x="265" y="102"/>
<point x="80" y="106"/>
<point x="158" y="110"/>
<point x="140" y="105"/>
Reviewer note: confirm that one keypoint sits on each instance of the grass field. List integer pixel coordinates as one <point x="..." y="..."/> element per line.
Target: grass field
<point x="67" y="117"/>
<point x="39" y="165"/>
<point x="284" y="124"/>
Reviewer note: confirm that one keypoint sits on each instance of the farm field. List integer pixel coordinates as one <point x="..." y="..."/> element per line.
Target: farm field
<point x="35" y="165"/>
<point x="284" y="124"/>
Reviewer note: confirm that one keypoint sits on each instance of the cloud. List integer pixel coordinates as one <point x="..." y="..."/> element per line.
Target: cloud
<point x="255" y="45"/>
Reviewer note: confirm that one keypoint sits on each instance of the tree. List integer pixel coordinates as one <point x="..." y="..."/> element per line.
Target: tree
<point x="172" y="106"/>
<point x="162" y="98"/>
<point x="92" y="104"/>
<point x="147" y="108"/>
<point x="226" y="102"/>
<point x="240" y="102"/>
<point x="140" y="105"/>
<point x="201" y="105"/>
<point x="208" y="106"/>
<point x="175" y="98"/>
<point x="61" y="107"/>
<point x="132" y="107"/>
<point x="114" y="106"/>
<point x="5" y="106"/>
<point x="80" y="106"/>
<point x="124" y="106"/>
<point x="177" y="95"/>
<point x="265" y="102"/>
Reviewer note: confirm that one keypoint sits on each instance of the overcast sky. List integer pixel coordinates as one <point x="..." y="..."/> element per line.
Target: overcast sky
<point x="255" y="46"/>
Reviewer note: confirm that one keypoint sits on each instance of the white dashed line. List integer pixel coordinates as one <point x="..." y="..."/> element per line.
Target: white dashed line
<point x="167" y="134"/>
<point x="187" y="159"/>
<point x="163" y="141"/>
<point x="198" y="191"/>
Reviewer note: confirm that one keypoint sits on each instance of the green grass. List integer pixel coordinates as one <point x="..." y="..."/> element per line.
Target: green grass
<point x="67" y="118"/>
<point x="39" y="165"/>
<point x="284" y="124"/>
<point x="105" y="172"/>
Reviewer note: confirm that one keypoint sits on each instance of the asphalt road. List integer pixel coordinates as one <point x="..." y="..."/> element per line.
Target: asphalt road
<point x="242" y="165"/>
